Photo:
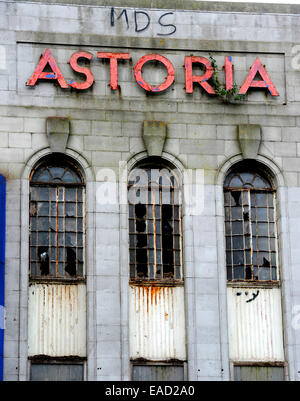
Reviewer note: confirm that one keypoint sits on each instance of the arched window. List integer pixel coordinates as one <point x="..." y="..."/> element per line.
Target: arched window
<point x="250" y="225"/>
<point x="155" y="222"/>
<point x="56" y="219"/>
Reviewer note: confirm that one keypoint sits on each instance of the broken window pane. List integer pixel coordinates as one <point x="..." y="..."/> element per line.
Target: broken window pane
<point x="43" y="260"/>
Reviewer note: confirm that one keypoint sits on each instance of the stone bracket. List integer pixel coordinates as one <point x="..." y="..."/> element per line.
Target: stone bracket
<point x="58" y="131"/>
<point x="154" y="136"/>
<point x="249" y="137"/>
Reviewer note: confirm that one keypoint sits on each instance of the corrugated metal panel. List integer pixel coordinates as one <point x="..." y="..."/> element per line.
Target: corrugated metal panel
<point x="2" y="267"/>
<point x="255" y="324"/>
<point x="56" y="372"/>
<point x="157" y="373"/>
<point x="57" y="320"/>
<point x="157" y="323"/>
<point x="259" y="373"/>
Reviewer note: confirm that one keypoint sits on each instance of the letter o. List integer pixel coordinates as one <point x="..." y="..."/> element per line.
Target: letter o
<point x="154" y="57"/>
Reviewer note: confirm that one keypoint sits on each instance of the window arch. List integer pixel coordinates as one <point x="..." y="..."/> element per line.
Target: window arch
<point x="154" y="195"/>
<point x="250" y="224"/>
<point x="56" y="219"/>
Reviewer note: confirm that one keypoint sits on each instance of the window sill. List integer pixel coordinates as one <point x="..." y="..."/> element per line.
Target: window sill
<point x="57" y="280"/>
<point x="254" y="284"/>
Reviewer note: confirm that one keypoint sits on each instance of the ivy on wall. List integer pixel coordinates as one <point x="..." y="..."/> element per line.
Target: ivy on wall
<point x="227" y="96"/>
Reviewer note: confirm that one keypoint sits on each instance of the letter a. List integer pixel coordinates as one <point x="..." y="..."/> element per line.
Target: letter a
<point x="266" y="82"/>
<point x="39" y="72"/>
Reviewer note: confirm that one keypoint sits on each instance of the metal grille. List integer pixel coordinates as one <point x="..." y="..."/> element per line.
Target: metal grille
<point x="154" y="224"/>
<point x="56" y="372"/>
<point x="250" y="226"/>
<point x="157" y="373"/>
<point x="259" y="373"/>
<point x="56" y="221"/>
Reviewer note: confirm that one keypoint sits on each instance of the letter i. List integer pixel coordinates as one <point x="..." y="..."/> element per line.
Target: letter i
<point x="228" y="73"/>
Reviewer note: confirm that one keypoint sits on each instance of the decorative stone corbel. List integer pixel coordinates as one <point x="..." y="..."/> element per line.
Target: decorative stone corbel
<point x="58" y="130"/>
<point x="154" y="136"/>
<point x="249" y="137"/>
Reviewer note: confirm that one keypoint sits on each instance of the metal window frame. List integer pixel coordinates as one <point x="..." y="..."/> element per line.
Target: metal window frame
<point x="165" y="281"/>
<point x="252" y="190"/>
<point x="68" y="164"/>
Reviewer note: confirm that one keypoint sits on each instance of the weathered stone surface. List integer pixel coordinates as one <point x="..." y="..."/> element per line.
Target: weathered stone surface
<point x="108" y="126"/>
<point x="249" y="136"/>
<point x="154" y="135"/>
<point x="58" y="130"/>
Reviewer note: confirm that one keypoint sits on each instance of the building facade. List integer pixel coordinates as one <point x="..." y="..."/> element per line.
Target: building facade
<point x="149" y="191"/>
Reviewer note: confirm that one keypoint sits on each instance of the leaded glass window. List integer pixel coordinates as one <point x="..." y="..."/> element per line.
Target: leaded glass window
<point x="250" y="227"/>
<point x="154" y="194"/>
<point x="56" y="219"/>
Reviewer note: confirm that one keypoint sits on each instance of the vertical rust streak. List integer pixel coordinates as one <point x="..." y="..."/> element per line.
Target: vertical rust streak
<point x="154" y="232"/>
<point x="57" y="197"/>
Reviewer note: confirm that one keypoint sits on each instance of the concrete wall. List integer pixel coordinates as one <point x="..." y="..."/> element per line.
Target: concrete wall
<point x="106" y="128"/>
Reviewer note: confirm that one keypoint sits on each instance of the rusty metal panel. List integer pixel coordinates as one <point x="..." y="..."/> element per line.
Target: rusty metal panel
<point x="259" y="373"/>
<point x="157" y="373"/>
<point x="255" y="324"/>
<point x="157" y="323"/>
<point x="57" y="320"/>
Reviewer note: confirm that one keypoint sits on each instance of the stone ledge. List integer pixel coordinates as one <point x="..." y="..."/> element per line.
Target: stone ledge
<point x="261" y="8"/>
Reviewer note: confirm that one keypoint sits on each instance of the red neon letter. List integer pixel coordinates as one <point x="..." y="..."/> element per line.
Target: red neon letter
<point x="85" y="71"/>
<point x="265" y="83"/>
<point x="152" y="57"/>
<point x="39" y="73"/>
<point x="201" y="79"/>
<point x="114" y="57"/>
<point x="228" y="73"/>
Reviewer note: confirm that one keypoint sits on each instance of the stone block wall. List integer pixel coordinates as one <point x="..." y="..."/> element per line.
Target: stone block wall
<point x="106" y="128"/>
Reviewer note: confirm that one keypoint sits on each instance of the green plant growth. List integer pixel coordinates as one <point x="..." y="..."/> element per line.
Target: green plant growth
<point x="228" y="96"/>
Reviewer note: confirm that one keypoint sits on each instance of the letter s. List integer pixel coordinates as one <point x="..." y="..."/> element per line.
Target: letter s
<point x="161" y="24"/>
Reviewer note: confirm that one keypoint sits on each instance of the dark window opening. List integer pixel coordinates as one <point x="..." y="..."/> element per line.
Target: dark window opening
<point x="56" y="219"/>
<point x="154" y="224"/>
<point x="43" y="260"/>
<point x="250" y="226"/>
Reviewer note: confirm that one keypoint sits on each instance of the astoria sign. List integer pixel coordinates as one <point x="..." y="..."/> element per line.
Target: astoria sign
<point x="257" y="70"/>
